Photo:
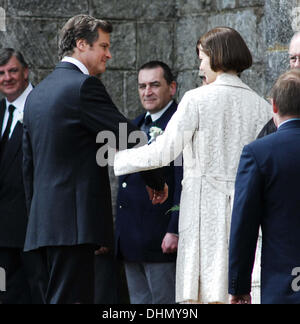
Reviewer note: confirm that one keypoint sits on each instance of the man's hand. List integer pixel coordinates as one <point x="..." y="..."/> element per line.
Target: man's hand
<point x="240" y="299"/>
<point x="102" y="250"/>
<point x="169" y="243"/>
<point x="158" y="197"/>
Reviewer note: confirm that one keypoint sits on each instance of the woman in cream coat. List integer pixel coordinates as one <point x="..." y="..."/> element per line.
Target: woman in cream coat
<point x="210" y="127"/>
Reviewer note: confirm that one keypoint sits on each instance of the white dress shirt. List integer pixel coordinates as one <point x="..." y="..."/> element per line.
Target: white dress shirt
<point x="157" y="115"/>
<point x="19" y="103"/>
<point x="76" y="62"/>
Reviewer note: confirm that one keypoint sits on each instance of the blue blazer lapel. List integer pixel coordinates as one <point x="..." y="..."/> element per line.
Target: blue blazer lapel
<point x="162" y="122"/>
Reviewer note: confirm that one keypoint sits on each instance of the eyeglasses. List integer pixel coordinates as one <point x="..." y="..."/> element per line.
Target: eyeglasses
<point x="294" y="58"/>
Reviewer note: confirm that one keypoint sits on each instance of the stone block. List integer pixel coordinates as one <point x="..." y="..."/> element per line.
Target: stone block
<point x="47" y="8"/>
<point x="187" y="80"/>
<point x="278" y="20"/>
<point x="251" y="3"/>
<point x="123" y="46"/>
<point x="133" y="106"/>
<point x="276" y="63"/>
<point x="114" y="84"/>
<point x="155" y="42"/>
<point x="35" y="38"/>
<point x="134" y="9"/>
<point x="193" y="6"/>
<point x="247" y="23"/>
<point x="188" y="31"/>
<point x="255" y="79"/>
<point x="225" y="4"/>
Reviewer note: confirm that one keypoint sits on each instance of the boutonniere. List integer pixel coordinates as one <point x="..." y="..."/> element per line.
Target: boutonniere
<point x="154" y="132"/>
<point x="20" y="117"/>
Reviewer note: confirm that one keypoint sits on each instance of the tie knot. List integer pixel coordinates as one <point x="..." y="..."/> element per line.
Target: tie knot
<point x="148" y="120"/>
<point x="11" y="109"/>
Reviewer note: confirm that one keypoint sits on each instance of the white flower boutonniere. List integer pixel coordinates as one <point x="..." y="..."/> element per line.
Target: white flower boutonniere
<point x="154" y="132"/>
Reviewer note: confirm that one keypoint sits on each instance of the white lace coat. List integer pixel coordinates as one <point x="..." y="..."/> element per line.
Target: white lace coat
<point x="211" y="126"/>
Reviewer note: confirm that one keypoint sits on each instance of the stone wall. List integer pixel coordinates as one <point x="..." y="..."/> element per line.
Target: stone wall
<point x="167" y="30"/>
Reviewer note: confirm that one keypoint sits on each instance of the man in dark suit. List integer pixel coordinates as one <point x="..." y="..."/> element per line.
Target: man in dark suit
<point x="68" y="194"/>
<point x="267" y="195"/>
<point x="14" y="85"/>
<point x="147" y="235"/>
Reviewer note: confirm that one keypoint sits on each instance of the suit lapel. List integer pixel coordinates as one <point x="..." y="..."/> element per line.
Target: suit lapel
<point x="2" y="112"/>
<point x="162" y="122"/>
<point x="13" y="146"/>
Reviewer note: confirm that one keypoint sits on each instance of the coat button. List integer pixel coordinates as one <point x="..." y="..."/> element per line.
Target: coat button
<point x="124" y="185"/>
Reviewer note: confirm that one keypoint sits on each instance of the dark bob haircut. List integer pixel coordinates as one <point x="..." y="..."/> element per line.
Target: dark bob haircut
<point x="286" y="93"/>
<point x="226" y="49"/>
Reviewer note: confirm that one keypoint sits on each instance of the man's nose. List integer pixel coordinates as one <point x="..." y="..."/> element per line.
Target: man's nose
<point x="297" y="63"/>
<point x="148" y="90"/>
<point x="7" y="76"/>
<point x="108" y="55"/>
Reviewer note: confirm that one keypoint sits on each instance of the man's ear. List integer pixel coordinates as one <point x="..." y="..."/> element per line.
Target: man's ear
<point x="275" y="109"/>
<point x="173" y="88"/>
<point x="81" y="44"/>
<point x="275" y="113"/>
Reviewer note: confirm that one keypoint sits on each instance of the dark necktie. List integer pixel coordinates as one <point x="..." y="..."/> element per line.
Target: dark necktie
<point x="5" y="136"/>
<point x="147" y="124"/>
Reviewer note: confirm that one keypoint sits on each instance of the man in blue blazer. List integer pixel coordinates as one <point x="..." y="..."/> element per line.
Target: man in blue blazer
<point x="267" y="195"/>
<point x="67" y="193"/>
<point x="147" y="235"/>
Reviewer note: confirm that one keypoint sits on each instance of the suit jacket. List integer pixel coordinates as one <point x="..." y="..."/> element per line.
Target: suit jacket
<point x="141" y="226"/>
<point x="269" y="128"/>
<point x="13" y="218"/>
<point x="267" y="195"/>
<point x="68" y="194"/>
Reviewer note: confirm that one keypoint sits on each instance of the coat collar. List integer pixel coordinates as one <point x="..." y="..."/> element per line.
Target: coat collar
<point x="67" y="65"/>
<point x="293" y="124"/>
<point x="227" y="79"/>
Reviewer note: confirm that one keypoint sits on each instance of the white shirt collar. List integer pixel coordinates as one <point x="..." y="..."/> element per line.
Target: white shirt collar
<point x="76" y="62"/>
<point x="286" y="121"/>
<point x="157" y="115"/>
<point x="19" y="103"/>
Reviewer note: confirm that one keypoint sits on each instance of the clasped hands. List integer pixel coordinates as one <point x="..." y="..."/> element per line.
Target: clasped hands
<point x="158" y="197"/>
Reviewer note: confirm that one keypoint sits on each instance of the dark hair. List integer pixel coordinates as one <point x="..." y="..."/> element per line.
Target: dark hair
<point x="80" y="27"/>
<point x="286" y="93"/>
<point x="7" y="53"/>
<point x="168" y="75"/>
<point x="226" y="49"/>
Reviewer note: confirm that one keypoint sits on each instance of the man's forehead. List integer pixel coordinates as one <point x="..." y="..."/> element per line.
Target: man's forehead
<point x="12" y="63"/>
<point x="295" y="46"/>
<point x="150" y="75"/>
